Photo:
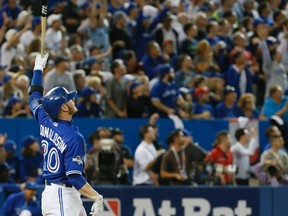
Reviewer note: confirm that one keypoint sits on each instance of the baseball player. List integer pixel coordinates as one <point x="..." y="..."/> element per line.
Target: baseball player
<point x="63" y="149"/>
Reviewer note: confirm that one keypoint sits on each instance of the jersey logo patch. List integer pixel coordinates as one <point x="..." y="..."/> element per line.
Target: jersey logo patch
<point x="78" y="160"/>
<point x="55" y="124"/>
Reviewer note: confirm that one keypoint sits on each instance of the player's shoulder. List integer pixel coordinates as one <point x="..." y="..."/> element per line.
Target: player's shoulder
<point x="74" y="135"/>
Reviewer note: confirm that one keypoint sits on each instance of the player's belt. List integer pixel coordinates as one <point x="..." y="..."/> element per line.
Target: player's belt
<point x="49" y="183"/>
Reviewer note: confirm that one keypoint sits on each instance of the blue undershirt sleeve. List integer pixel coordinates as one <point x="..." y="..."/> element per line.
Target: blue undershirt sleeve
<point x="77" y="181"/>
<point x="37" y="78"/>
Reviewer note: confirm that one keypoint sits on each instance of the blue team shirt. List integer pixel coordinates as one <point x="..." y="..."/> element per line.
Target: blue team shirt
<point x="222" y="111"/>
<point x="16" y="203"/>
<point x="63" y="146"/>
<point x="270" y="108"/>
<point x="199" y="109"/>
<point x="167" y="93"/>
<point x="14" y="167"/>
<point x="29" y="166"/>
<point x="255" y="114"/>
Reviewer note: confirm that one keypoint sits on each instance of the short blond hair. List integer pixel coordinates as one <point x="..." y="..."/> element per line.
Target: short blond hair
<point x="243" y="99"/>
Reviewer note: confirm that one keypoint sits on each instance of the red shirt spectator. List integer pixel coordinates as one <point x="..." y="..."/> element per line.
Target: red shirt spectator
<point x="222" y="157"/>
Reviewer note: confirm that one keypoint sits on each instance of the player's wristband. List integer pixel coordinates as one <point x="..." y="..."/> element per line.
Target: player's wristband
<point x="35" y="88"/>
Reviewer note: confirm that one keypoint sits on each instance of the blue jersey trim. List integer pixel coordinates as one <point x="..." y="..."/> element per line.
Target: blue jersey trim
<point x="34" y="111"/>
<point x="73" y="172"/>
<point x="60" y="201"/>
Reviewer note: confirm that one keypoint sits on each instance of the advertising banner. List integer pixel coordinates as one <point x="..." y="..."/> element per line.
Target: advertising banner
<point x="179" y="201"/>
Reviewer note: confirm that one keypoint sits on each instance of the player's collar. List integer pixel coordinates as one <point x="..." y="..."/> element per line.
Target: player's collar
<point x="65" y="122"/>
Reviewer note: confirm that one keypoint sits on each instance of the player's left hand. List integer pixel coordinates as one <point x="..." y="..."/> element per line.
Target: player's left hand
<point x="97" y="207"/>
<point x="40" y="62"/>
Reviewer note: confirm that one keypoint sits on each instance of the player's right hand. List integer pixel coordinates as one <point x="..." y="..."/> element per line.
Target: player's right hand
<point x="97" y="207"/>
<point x="40" y="62"/>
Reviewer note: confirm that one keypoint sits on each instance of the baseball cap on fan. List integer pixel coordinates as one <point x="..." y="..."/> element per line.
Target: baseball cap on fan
<point x="10" y="146"/>
<point x="9" y="34"/>
<point x="52" y="18"/>
<point x="30" y="185"/>
<point x="28" y="141"/>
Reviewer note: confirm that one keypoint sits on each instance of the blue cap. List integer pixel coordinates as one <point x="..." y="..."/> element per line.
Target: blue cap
<point x="130" y="7"/>
<point x="10" y="146"/>
<point x="85" y="5"/>
<point x="258" y="21"/>
<point x="35" y="21"/>
<point x="272" y="40"/>
<point x="98" y="5"/>
<point x="87" y="91"/>
<point x="27" y="141"/>
<point x="163" y="69"/>
<point x="205" y="8"/>
<point x="117" y="131"/>
<point x="2" y="67"/>
<point x="30" y="185"/>
<point x="228" y="89"/>
<point x="186" y="132"/>
<point x="13" y="100"/>
<point x="134" y="85"/>
<point x="262" y="21"/>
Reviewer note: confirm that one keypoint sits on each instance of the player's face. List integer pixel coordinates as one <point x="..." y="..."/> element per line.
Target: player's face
<point x="71" y="107"/>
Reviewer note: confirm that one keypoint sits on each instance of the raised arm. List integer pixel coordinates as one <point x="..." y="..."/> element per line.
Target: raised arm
<point x="35" y="90"/>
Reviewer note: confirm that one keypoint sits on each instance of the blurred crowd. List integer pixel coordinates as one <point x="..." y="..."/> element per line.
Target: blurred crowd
<point x="128" y="59"/>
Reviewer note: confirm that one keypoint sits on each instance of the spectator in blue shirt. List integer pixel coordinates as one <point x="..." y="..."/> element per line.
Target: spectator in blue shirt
<point x="12" y="10"/>
<point x="165" y="96"/>
<point x="31" y="161"/>
<point x="144" y="32"/>
<point x="152" y="59"/>
<point x="12" y="159"/>
<point x="238" y="75"/>
<point x="202" y="108"/>
<point x="7" y="185"/>
<point x="21" y="202"/>
<point x="115" y="6"/>
<point x="212" y="33"/>
<point x="276" y="104"/>
<point x="88" y="107"/>
<point x="228" y="108"/>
